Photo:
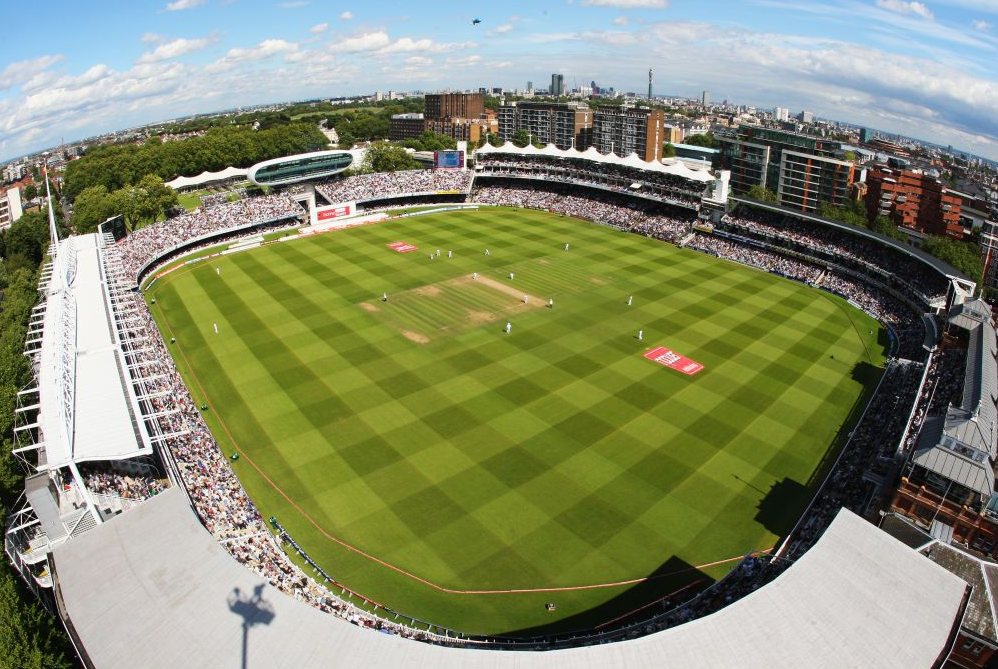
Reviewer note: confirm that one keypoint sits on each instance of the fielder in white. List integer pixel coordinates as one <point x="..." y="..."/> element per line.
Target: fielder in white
<point x="509" y="326"/>
<point x="215" y="325"/>
<point x="641" y="335"/>
<point x="630" y="299"/>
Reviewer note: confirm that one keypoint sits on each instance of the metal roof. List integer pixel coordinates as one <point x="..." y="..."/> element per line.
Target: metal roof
<point x="980" y="575"/>
<point x="151" y="588"/>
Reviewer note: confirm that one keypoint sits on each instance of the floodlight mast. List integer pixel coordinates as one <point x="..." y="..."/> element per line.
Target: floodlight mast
<point x="53" y="232"/>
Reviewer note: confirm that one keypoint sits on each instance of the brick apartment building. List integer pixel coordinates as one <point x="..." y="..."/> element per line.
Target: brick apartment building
<point x="624" y="131"/>
<point x="565" y="124"/>
<point x="915" y="201"/>
<point x="461" y="116"/>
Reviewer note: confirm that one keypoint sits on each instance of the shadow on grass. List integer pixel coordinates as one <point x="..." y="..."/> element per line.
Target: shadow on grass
<point x="674" y="582"/>
<point x="779" y="510"/>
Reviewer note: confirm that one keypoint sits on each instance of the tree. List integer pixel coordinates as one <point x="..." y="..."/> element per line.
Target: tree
<point x="431" y="141"/>
<point x="706" y="140"/>
<point x="93" y="207"/>
<point x="521" y="138"/>
<point x="495" y="140"/>
<point x="161" y="197"/>
<point x="761" y="193"/>
<point x="886" y="227"/>
<point x="668" y="150"/>
<point x="385" y="157"/>
<point x="852" y="212"/>
<point x="27" y="237"/>
<point x="30" y="192"/>
<point x="965" y="256"/>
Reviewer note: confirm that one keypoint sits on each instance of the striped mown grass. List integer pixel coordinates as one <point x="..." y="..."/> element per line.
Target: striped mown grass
<point x="414" y="430"/>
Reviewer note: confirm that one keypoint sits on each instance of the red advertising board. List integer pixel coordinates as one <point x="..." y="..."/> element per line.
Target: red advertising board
<point x="336" y="211"/>
<point x="402" y="247"/>
<point x="669" y="358"/>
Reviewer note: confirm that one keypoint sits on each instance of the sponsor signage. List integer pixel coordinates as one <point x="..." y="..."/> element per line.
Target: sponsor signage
<point x="669" y="358"/>
<point x="332" y="212"/>
<point x="402" y="247"/>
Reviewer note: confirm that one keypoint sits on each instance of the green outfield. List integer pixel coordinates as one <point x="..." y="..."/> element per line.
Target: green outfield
<point x="463" y="461"/>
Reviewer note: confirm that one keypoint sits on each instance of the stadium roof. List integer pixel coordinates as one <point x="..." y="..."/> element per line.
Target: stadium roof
<point x="934" y="262"/>
<point x="677" y="168"/>
<point x="102" y="425"/>
<point x="206" y="178"/>
<point x="151" y="588"/>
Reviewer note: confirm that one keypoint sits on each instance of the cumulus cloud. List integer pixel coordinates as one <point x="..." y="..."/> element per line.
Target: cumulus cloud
<point x="982" y="25"/>
<point x="177" y="48"/>
<point x="621" y="21"/>
<point x="368" y="41"/>
<point x="463" y="61"/>
<point x="179" y="5"/>
<point x="346" y="16"/>
<point x="21" y="71"/>
<point x="418" y="61"/>
<point x="265" y="49"/>
<point x="627" y="4"/>
<point x="152" y="38"/>
<point x="903" y="7"/>
<point x="318" y="28"/>
<point x="425" y="45"/>
<point x="499" y="30"/>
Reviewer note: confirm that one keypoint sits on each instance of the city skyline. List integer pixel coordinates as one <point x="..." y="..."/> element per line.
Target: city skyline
<point x="918" y="69"/>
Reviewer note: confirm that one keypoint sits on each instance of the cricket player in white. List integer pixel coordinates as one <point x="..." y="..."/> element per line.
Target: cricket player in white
<point x="511" y="275"/>
<point x="218" y="271"/>
<point x="450" y="254"/>
<point x="474" y="276"/>
<point x="550" y="303"/>
<point x="641" y="335"/>
<point x="486" y="251"/>
<point x="630" y="299"/>
<point x="566" y="247"/>
<point x="384" y="297"/>
<point x="526" y="299"/>
<point x="509" y="326"/>
<point x="216" y="327"/>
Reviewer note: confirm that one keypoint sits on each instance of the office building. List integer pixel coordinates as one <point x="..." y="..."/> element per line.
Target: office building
<point x="865" y="135"/>
<point x="557" y="85"/>
<point x="530" y="85"/>
<point x="454" y="105"/>
<point x="805" y="117"/>
<point x="814" y="171"/>
<point x="10" y="208"/>
<point x="781" y="114"/>
<point x="564" y="124"/>
<point x="705" y="99"/>
<point x="405" y="126"/>
<point x="915" y="201"/>
<point x="625" y="131"/>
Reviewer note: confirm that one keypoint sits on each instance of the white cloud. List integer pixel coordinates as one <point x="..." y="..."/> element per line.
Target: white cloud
<point x="903" y="7"/>
<point x="425" y="45"/>
<point x="463" y="61"/>
<point x="346" y="16"/>
<point x="318" y="28"/>
<point x="363" y="42"/>
<point x="179" y="5"/>
<point x="621" y="21"/>
<point x="627" y="4"/>
<point x="152" y="38"/>
<point x="418" y="61"/>
<point x="265" y="49"/>
<point x="22" y="71"/>
<point x="499" y="30"/>
<point x="982" y="25"/>
<point x="177" y="48"/>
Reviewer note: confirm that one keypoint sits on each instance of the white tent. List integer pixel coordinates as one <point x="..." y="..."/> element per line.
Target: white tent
<point x="206" y="178"/>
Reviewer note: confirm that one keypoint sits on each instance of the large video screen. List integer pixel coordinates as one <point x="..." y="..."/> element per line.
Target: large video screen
<point x="448" y="159"/>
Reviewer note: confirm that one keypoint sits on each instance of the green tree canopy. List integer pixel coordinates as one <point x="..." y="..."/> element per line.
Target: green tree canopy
<point x="668" y="150"/>
<point x="706" y="140"/>
<point x="852" y="212"/>
<point x="385" y="157"/>
<point x="965" y="256"/>
<point x="761" y="193"/>
<point x="30" y="192"/>
<point x="93" y="207"/>
<point x="521" y="138"/>
<point x="431" y="141"/>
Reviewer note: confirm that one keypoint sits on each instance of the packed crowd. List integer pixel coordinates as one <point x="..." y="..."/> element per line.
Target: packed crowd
<point x="826" y="242"/>
<point x="104" y="481"/>
<point x="388" y="185"/>
<point x="155" y="240"/>
<point x="670" y="188"/>
<point x="620" y="212"/>
<point x="757" y="257"/>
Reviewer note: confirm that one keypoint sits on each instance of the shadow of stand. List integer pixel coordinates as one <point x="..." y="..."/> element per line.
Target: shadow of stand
<point x="254" y="610"/>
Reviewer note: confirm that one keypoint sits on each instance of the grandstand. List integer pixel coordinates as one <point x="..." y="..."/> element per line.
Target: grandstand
<point x="109" y="425"/>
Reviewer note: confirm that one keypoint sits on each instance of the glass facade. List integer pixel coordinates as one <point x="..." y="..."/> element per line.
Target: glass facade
<point x="299" y="168"/>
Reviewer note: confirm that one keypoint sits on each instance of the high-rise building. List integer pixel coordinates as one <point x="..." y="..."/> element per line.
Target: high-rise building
<point x="530" y="85"/>
<point x="805" y="117"/>
<point x="914" y="201"/>
<point x="625" y="131"/>
<point x="781" y="114"/>
<point x="705" y="99"/>
<point x="454" y="105"/>
<point x="812" y="172"/>
<point x="557" y="85"/>
<point x="565" y="124"/>
<point x="865" y="135"/>
<point x="10" y="207"/>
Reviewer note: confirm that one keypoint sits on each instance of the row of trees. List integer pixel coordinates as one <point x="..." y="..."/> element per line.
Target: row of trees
<point x="29" y="637"/>
<point x="116" y="166"/>
<point x="146" y="201"/>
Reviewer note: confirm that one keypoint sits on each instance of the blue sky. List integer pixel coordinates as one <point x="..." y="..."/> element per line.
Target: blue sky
<point x="74" y="69"/>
